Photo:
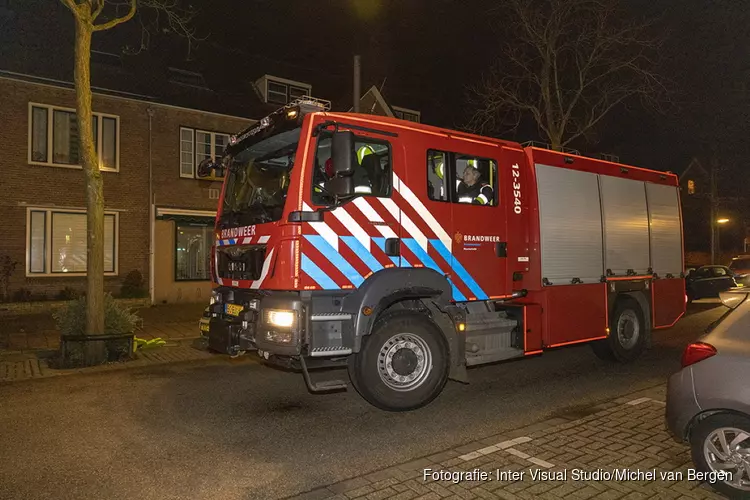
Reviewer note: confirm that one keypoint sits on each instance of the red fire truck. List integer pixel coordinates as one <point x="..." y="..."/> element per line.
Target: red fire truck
<point x="407" y="252"/>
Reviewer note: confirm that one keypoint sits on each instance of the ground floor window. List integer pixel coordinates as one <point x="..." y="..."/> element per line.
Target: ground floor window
<point x="193" y="251"/>
<point x="56" y="242"/>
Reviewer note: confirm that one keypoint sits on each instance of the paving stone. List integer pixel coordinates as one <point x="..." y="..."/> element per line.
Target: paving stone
<point x="405" y="495"/>
<point x="381" y="494"/>
<point x="359" y="492"/>
<point x="351" y="484"/>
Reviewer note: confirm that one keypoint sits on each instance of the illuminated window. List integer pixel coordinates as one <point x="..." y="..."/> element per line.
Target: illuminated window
<point x="196" y="146"/>
<point x="53" y="137"/>
<point x="691" y="186"/>
<point x="56" y="242"/>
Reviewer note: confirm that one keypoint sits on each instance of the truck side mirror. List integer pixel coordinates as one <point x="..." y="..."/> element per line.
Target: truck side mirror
<point x="340" y="187"/>
<point x="342" y="155"/>
<point x="207" y="167"/>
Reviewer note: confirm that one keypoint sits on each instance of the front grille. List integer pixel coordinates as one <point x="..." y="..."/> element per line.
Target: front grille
<point x="240" y="262"/>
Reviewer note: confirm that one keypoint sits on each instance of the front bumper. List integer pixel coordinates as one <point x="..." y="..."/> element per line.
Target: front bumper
<point x="236" y="322"/>
<point x="681" y="404"/>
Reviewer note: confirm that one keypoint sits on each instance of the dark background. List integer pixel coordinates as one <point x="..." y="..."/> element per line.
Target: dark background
<point x="424" y="53"/>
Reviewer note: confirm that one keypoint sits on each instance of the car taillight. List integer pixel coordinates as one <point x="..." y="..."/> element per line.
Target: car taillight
<point x="697" y="351"/>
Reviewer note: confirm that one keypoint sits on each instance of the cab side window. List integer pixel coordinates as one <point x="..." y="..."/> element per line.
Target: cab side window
<point x="372" y="170"/>
<point x="461" y="178"/>
<point x="437" y="176"/>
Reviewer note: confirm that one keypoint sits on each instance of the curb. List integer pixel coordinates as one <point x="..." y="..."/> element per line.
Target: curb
<point x="473" y="449"/>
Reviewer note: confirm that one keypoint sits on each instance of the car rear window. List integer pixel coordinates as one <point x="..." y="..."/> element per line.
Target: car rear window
<point x="740" y="264"/>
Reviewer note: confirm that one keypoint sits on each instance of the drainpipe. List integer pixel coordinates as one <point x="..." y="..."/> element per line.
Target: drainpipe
<point x="151" y="210"/>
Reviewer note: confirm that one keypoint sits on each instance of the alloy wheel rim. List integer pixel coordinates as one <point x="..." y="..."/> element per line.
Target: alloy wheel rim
<point x="727" y="449"/>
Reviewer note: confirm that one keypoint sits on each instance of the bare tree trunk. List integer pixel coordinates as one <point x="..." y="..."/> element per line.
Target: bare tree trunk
<point x="94" y="188"/>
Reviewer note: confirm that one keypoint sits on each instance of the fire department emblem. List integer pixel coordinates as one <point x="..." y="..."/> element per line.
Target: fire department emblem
<point x="458" y="238"/>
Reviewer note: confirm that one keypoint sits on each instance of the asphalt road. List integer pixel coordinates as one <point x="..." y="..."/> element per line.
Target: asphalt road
<point x="239" y="430"/>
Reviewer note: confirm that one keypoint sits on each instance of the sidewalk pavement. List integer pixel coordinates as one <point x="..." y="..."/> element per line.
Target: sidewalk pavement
<point x="27" y="342"/>
<point x="626" y="435"/>
<point x="26" y="333"/>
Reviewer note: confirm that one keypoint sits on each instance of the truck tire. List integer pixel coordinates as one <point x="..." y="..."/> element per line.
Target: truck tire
<point x="403" y="364"/>
<point x="627" y="334"/>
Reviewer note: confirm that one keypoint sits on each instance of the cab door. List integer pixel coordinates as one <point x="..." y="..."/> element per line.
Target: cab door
<point x="479" y="226"/>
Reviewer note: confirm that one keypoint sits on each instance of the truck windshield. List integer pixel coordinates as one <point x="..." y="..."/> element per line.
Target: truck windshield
<point x="258" y="180"/>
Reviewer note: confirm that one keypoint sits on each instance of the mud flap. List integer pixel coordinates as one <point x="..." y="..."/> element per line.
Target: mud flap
<point x="445" y="318"/>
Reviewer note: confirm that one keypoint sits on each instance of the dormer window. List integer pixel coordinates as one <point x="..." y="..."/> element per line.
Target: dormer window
<point x="282" y="91"/>
<point x="189" y="78"/>
<point x="406" y="114"/>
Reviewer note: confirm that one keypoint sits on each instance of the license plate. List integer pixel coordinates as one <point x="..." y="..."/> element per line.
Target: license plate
<point x="204" y="327"/>
<point x="233" y="309"/>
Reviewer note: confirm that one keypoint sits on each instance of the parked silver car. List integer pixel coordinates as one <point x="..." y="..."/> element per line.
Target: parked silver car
<point x="708" y="401"/>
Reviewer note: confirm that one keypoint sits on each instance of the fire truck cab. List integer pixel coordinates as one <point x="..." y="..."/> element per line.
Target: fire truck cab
<point x="408" y="253"/>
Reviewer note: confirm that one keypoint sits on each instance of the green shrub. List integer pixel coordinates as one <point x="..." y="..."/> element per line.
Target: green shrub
<point x="133" y="286"/>
<point x="71" y="319"/>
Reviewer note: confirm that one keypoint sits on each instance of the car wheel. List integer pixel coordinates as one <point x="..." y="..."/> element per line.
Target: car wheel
<point x="403" y="364"/>
<point x="720" y="444"/>
<point x="690" y="297"/>
<point x="627" y="334"/>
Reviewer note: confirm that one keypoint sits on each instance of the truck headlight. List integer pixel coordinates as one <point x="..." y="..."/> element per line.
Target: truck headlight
<point x="215" y="298"/>
<point x="280" y="318"/>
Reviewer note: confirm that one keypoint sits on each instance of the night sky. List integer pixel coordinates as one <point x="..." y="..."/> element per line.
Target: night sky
<point x="425" y="52"/>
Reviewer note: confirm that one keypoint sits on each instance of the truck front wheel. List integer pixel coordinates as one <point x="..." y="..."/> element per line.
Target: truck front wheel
<point x="403" y="364"/>
<point x="627" y="334"/>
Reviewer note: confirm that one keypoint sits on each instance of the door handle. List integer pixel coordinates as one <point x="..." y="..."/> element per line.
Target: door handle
<point x="392" y="247"/>
<point x="501" y="249"/>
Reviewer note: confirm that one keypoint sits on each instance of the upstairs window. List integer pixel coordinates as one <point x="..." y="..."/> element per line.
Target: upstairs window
<point x="282" y="91"/>
<point x="196" y="146"/>
<point x="54" y="135"/>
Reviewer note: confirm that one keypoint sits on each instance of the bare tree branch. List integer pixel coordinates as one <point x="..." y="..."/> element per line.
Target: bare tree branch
<point x="74" y="8"/>
<point x="568" y="64"/>
<point x="118" y="20"/>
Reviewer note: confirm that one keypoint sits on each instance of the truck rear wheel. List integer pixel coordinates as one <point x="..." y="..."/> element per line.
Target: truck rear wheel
<point x="403" y="364"/>
<point x="627" y="334"/>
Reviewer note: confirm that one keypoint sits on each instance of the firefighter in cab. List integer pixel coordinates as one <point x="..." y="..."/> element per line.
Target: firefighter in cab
<point x="362" y="183"/>
<point x="470" y="188"/>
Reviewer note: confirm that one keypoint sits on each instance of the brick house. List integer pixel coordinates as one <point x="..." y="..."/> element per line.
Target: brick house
<point x="153" y="123"/>
<point x="150" y="136"/>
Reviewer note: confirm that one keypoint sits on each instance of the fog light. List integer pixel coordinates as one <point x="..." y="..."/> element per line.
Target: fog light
<point x="279" y="337"/>
<point x="280" y="318"/>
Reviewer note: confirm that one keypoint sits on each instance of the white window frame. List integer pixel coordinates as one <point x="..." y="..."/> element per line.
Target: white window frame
<point x="266" y="79"/>
<point x="194" y="132"/>
<point x="414" y="112"/>
<point x="48" y="242"/>
<point x="50" y="137"/>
